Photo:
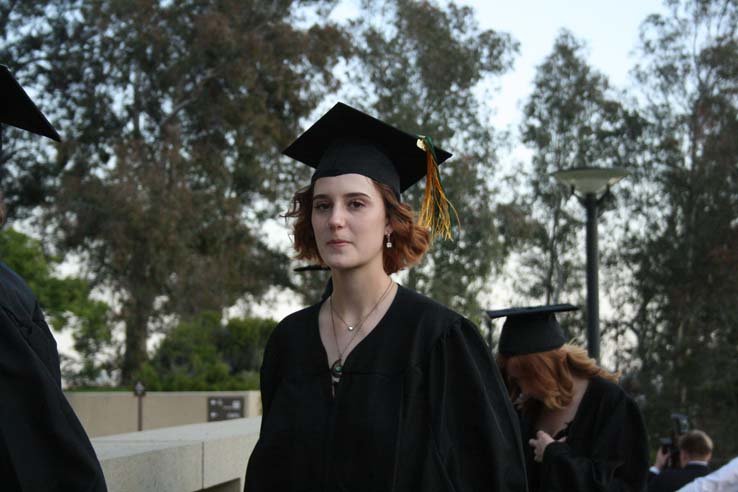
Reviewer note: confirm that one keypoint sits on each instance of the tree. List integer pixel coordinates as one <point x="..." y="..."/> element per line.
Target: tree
<point x="25" y="162"/>
<point x="573" y="118"/>
<point x="682" y="259"/>
<point x="420" y="66"/>
<point x="173" y="114"/>
<point x="206" y="354"/>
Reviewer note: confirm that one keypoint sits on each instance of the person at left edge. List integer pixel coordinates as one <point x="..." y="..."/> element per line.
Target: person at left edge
<point x="376" y="387"/>
<point x="43" y="447"/>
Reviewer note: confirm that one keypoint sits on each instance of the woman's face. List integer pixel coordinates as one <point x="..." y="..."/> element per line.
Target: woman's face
<point x="349" y="221"/>
<point x="516" y="377"/>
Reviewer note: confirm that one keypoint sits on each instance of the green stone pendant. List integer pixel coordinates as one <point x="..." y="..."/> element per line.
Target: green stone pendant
<point x="337" y="369"/>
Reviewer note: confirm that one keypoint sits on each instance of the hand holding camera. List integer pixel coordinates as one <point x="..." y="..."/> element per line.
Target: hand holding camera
<point x="663" y="457"/>
<point x="667" y="455"/>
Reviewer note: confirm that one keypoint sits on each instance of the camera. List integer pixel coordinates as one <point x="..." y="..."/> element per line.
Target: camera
<point x="670" y="445"/>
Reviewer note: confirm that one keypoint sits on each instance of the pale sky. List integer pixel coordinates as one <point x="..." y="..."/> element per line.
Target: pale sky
<point x="609" y="29"/>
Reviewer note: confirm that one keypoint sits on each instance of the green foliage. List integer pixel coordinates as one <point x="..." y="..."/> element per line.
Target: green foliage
<point x="311" y="284"/>
<point x="203" y="354"/>
<point x="66" y="302"/>
<point x="241" y="342"/>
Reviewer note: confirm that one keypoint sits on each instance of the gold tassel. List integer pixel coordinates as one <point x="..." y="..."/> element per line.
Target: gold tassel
<point x="434" y="211"/>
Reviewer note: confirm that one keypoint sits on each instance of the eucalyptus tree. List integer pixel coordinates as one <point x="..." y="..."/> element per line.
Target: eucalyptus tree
<point x="172" y="115"/>
<point x="423" y="67"/>
<point x="683" y="259"/>
<point x="572" y="118"/>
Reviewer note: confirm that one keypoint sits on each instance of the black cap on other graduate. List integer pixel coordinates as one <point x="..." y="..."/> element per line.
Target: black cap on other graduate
<point x="531" y="330"/>
<point x="311" y="268"/>
<point x="348" y="141"/>
<point x="19" y="111"/>
<point x="345" y="140"/>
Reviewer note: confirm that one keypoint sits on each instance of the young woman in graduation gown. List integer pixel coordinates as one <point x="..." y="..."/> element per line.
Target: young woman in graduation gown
<point x="376" y="388"/>
<point x="582" y="432"/>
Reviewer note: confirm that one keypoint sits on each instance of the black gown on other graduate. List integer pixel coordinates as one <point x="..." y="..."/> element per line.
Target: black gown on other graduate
<point x="606" y="447"/>
<point x="43" y="447"/>
<point x="420" y="407"/>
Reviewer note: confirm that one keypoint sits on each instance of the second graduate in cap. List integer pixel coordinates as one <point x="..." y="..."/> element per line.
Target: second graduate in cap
<point x="581" y="431"/>
<point x="377" y="388"/>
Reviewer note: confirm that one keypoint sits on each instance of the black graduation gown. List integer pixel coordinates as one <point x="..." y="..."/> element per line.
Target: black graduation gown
<point x="606" y="447"/>
<point x="43" y="447"/>
<point x="420" y="406"/>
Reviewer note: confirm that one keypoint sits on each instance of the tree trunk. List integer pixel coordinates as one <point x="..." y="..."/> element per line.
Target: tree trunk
<point x="135" y="355"/>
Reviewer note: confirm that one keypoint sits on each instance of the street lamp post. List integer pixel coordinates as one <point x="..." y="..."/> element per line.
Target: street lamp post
<point x="590" y="185"/>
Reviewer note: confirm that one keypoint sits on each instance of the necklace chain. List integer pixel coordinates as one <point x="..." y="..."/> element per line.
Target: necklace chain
<point x="357" y="326"/>
<point x="337" y="367"/>
<point x="349" y="326"/>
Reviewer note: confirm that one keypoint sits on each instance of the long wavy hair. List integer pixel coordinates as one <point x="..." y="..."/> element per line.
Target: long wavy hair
<point x="550" y="374"/>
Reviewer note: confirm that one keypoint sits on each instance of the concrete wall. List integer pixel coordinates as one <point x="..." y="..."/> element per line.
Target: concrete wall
<point x="106" y="413"/>
<point x="210" y="457"/>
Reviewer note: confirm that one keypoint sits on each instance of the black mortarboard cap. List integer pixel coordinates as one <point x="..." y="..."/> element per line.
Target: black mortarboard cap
<point x="19" y="111"/>
<point x="345" y="141"/>
<point x="531" y="330"/>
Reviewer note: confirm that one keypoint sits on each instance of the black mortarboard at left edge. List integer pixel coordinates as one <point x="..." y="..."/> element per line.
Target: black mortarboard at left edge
<point x="531" y="330"/>
<point x="19" y="111"/>
<point x="348" y="141"/>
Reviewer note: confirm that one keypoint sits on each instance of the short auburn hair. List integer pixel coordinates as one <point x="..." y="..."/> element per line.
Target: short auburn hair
<point x="696" y="444"/>
<point x="550" y="374"/>
<point x="409" y="240"/>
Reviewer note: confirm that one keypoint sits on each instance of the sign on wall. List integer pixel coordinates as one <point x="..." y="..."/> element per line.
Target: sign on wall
<point x="225" y="408"/>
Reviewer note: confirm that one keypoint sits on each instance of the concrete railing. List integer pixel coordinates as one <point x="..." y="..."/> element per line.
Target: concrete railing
<point x="105" y="413"/>
<point x="210" y="456"/>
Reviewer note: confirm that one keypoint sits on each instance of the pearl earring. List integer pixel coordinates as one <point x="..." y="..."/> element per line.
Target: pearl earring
<point x="388" y="244"/>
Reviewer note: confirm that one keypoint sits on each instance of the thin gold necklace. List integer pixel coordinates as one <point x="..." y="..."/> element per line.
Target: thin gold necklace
<point x="337" y="366"/>
<point x="351" y="326"/>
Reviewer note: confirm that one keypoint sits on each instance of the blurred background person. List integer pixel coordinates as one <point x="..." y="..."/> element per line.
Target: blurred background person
<point x="695" y="452"/>
<point x="724" y="479"/>
<point x="581" y="431"/>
